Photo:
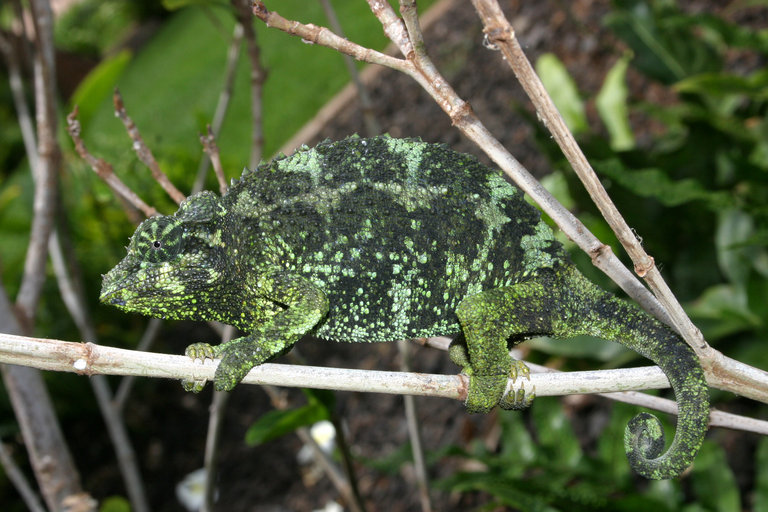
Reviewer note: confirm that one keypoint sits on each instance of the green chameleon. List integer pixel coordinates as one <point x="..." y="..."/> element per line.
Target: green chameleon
<point x="382" y="239"/>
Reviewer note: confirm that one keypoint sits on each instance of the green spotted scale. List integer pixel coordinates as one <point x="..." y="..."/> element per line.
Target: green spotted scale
<point x="380" y="239"/>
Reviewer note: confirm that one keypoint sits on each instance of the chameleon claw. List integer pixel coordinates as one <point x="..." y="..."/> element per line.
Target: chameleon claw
<point x="202" y="353"/>
<point x="519" y="369"/>
<point x="517" y="400"/>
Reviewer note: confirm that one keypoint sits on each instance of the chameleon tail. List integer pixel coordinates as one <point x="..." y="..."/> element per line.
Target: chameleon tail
<point x="623" y="322"/>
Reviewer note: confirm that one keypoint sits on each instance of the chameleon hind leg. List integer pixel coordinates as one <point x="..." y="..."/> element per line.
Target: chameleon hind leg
<point x="489" y="321"/>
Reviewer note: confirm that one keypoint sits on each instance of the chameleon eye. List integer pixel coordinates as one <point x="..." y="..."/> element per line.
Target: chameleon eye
<point x="158" y="239"/>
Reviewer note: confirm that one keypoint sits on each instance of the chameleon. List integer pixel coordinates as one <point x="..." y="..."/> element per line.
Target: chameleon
<point x="380" y="239"/>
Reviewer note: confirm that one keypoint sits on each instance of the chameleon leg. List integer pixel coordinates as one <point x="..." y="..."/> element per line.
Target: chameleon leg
<point x="489" y="320"/>
<point x="306" y="306"/>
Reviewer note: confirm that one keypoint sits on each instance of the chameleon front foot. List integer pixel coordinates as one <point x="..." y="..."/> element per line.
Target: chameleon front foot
<point x="198" y="352"/>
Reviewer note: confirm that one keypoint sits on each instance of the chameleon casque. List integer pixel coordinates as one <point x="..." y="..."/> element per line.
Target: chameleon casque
<point x="380" y="239"/>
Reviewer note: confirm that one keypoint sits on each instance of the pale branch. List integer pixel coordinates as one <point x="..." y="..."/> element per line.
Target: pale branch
<point x="724" y="373"/>
<point x="143" y="151"/>
<point x="502" y="36"/>
<point x="212" y="150"/>
<point x="222" y="105"/>
<point x="19" y="481"/>
<point x="104" y="169"/>
<point x="93" y="359"/>
<point x="257" y="75"/>
<point x="372" y="126"/>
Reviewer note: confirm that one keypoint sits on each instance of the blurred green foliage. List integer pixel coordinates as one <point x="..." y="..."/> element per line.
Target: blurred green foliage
<point x="694" y="185"/>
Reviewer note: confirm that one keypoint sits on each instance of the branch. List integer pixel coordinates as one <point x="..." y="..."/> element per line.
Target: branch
<point x="143" y="152"/>
<point x="104" y="169"/>
<point x="93" y="359"/>
<point x="724" y="373"/>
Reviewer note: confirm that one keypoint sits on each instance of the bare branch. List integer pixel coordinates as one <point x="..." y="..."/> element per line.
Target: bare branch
<point x="258" y="75"/>
<point x="19" y="481"/>
<point x="222" y="105"/>
<point x="104" y="169"/>
<point x="212" y="150"/>
<point x="723" y="372"/>
<point x="143" y="152"/>
<point x="92" y="359"/>
<point x="324" y="37"/>
<point x="372" y="126"/>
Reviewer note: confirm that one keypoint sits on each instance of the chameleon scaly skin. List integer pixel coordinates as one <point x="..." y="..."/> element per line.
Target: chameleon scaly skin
<point x="383" y="239"/>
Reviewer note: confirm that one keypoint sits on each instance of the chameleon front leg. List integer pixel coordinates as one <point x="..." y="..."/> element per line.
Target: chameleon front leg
<point x="489" y="320"/>
<point x="306" y="305"/>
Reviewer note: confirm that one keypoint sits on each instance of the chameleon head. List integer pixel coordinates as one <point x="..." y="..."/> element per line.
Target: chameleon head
<point x="172" y="262"/>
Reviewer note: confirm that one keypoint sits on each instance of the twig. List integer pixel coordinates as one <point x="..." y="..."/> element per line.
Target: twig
<point x="71" y="289"/>
<point x="19" y="481"/>
<point x="47" y="450"/>
<point x="143" y="152"/>
<point x="725" y="373"/>
<point x="258" y="75"/>
<point x="212" y="150"/>
<point x="92" y="359"/>
<point x="223" y="103"/>
<point x="372" y="126"/>
<point x="104" y="170"/>
<point x="501" y="34"/>
<point x="19" y="100"/>
<point x="414" y="432"/>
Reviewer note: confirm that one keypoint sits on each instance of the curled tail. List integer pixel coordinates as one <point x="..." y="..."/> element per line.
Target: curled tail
<point x="616" y="320"/>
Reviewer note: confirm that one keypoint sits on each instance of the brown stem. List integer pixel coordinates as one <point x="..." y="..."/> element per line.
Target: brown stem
<point x="143" y="151"/>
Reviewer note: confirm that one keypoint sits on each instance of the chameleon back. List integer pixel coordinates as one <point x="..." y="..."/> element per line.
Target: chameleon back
<point x="396" y="232"/>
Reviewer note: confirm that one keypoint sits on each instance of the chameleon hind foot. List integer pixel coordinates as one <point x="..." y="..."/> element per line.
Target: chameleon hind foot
<point x="202" y="352"/>
<point x="516" y="400"/>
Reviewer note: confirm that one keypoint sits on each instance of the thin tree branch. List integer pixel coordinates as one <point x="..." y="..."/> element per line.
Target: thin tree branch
<point x="727" y="373"/>
<point x="724" y="373"/>
<point x="93" y="359"/>
<point x="372" y="126"/>
<point x="73" y="296"/>
<point x="54" y="469"/>
<point x="223" y="103"/>
<point x="212" y="150"/>
<point x="143" y="152"/>
<point x="19" y="481"/>
<point x="258" y="75"/>
<point x="104" y="169"/>
<point x="414" y="432"/>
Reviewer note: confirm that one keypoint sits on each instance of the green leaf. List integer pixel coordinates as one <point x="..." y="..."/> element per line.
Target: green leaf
<point x="665" y="44"/>
<point x="656" y="183"/>
<point x="734" y="227"/>
<point x="173" y="5"/>
<point x="713" y="480"/>
<point x="579" y="346"/>
<point x="556" y="434"/>
<point x="277" y="423"/>
<point x="115" y="504"/>
<point x="562" y="88"/>
<point x="721" y="84"/>
<point x="611" y="104"/>
<point x="98" y="85"/>
<point x="721" y="311"/>
<point x="760" y="502"/>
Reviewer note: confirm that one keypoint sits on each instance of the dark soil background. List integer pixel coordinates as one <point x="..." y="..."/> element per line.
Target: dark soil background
<point x="268" y="477"/>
